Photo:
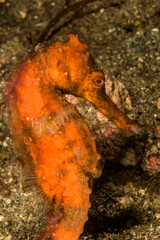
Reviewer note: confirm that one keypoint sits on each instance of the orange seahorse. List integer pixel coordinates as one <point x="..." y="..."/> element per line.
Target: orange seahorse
<point x="52" y="136"/>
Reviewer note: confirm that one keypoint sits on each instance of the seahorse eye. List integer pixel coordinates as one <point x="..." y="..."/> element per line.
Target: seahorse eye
<point x="98" y="82"/>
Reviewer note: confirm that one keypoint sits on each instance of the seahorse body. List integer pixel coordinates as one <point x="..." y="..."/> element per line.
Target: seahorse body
<point x="52" y="136"/>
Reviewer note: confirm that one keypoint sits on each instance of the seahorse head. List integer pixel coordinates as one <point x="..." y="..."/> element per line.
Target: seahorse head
<point x="70" y="69"/>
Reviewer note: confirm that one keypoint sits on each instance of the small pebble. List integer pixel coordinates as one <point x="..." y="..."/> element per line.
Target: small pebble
<point x="155" y="30"/>
<point x="129" y="158"/>
<point x="158" y="103"/>
<point x="157" y="130"/>
<point x="1" y="218"/>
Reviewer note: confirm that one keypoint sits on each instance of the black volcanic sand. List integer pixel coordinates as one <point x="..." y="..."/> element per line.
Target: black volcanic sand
<point x="124" y="37"/>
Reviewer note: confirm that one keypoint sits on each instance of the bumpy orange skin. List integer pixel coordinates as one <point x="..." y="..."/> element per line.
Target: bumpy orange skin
<point x="51" y="134"/>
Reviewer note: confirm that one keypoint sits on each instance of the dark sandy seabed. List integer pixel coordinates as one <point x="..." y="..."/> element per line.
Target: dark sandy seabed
<point x="124" y="37"/>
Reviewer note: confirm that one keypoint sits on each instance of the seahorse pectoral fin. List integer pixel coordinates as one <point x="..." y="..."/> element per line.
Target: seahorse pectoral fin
<point x="105" y="105"/>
